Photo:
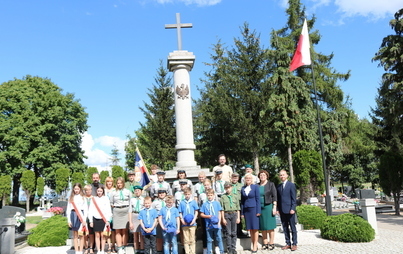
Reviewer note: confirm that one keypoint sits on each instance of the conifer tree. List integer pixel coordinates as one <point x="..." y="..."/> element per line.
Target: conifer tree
<point x="156" y="138"/>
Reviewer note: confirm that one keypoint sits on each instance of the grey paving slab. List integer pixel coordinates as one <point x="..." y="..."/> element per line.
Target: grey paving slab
<point x="388" y="240"/>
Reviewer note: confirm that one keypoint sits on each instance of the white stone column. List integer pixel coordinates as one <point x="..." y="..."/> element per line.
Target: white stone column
<point x="181" y="62"/>
<point x="369" y="213"/>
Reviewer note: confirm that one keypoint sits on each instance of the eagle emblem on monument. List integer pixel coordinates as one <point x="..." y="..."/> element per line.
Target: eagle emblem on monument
<point x="182" y="91"/>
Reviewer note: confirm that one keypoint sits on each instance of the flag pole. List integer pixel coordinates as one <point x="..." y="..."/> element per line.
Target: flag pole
<point x="322" y="148"/>
<point x="302" y="56"/>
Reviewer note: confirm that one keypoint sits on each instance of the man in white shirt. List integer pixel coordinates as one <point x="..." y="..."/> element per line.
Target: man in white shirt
<point x="226" y="170"/>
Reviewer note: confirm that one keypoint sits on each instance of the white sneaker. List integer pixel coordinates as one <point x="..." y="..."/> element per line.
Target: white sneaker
<point x="217" y="250"/>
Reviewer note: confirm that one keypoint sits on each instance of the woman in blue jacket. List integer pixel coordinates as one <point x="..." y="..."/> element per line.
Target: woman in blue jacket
<point x="250" y="208"/>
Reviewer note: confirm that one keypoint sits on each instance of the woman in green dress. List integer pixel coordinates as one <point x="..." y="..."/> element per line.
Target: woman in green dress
<point x="268" y="201"/>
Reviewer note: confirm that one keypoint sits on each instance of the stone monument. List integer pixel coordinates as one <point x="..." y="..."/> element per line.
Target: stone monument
<point x="181" y="62"/>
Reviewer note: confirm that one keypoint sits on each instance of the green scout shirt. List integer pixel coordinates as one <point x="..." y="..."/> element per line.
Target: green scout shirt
<point x="230" y="202"/>
<point x="130" y="185"/>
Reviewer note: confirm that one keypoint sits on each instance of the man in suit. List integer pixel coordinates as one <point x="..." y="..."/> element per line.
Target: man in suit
<point x="286" y="205"/>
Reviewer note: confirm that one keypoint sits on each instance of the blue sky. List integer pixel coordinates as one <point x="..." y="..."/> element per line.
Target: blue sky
<point x="106" y="52"/>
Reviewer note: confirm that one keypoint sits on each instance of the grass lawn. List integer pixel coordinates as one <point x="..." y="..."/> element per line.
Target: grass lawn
<point x="33" y="219"/>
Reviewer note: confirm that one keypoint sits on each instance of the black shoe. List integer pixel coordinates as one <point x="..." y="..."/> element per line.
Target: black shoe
<point x="243" y="236"/>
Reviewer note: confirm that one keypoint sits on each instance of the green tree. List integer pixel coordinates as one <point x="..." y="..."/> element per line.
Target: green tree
<point x="290" y="105"/>
<point x="230" y="111"/>
<point x="391" y="176"/>
<point x="328" y="91"/>
<point x="309" y="173"/>
<point x="156" y="138"/>
<point x="117" y="171"/>
<point x="88" y="176"/>
<point x="62" y="180"/>
<point x="104" y="174"/>
<point x="387" y="115"/>
<point x="28" y="185"/>
<point x="358" y="150"/>
<point x="40" y="129"/>
<point x="77" y="177"/>
<point x="389" y="109"/>
<point x="115" y="155"/>
<point x="5" y="189"/>
<point x="40" y="186"/>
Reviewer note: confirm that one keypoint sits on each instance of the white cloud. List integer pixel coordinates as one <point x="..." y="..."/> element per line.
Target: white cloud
<point x="375" y="8"/>
<point x="98" y="157"/>
<point x="108" y="141"/>
<point x="190" y="2"/>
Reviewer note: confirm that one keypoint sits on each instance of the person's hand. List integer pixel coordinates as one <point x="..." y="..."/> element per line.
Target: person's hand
<point x="131" y="226"/>
<point x="92" y="224"/>
<point x="274" y="212"/>
<point x="183" y="221"/>
<point x="258" y="214"/>
<point x="224" y="222"/>
<point x="70" y="224"/>
<point x="193" y="221"/>
<point x="178" y="231"/>
<point x="238" y="221"/>
<point x="292" y="211"/>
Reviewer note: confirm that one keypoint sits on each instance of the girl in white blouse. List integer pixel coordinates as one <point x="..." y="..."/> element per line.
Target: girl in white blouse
<point x="100" y="210"/>
<point x="76" y="214"/>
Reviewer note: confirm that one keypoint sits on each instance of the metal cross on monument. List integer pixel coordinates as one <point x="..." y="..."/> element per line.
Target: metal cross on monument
<point x="179" y="26"/>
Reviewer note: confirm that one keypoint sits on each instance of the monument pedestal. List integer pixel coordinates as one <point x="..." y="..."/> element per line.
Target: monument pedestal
<point x="181" y="62"/>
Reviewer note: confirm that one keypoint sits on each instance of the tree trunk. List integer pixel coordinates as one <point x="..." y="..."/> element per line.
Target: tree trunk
<point x="27" y="202"/>
<point x="16" y="189"/>
<point x="256" y="162"/>
<point x="396" y="197"/>
<point x="290" y="163"/>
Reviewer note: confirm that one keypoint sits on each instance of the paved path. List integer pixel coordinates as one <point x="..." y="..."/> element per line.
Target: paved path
<point x="388" y="240"/>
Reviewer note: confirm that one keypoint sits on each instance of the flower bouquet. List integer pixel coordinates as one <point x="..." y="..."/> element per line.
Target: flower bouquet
<point x="55" y="210"/>
<point x="19" y="219"/>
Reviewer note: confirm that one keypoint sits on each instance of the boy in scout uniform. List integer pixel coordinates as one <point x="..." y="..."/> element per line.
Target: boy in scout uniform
<point x="231" y="217"/>
<point x="160" y="184"/>
<point x="218" y="185"/>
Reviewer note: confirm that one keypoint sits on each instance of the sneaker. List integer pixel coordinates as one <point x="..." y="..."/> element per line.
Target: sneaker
<point x="204" y="251"/>
<point x="217" y="250"/>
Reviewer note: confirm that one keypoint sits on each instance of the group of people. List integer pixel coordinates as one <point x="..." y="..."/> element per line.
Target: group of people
<point x="158" y="214"/>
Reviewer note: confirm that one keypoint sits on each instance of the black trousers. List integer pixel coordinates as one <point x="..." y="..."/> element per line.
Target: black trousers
<point x="288" y="221"/>
<point x="230" y="230"/>
<point x="150" y="244"/>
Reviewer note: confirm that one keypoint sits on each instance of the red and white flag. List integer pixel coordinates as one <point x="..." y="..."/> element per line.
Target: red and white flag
<point x="302" y="55"/>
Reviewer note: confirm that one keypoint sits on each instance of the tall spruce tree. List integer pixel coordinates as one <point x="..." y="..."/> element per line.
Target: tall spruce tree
<point x="329" y="93"/>
<point x="388" y="114"/>
<point x="290" y="106"/>
<point x="156" y="138"/>
<point x="230" y="111"/>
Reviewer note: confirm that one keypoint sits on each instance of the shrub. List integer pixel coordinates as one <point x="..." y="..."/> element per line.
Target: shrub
<point x="311" y="217"/>
<point x="50" y="232"/>
<point x="347" y="228"/>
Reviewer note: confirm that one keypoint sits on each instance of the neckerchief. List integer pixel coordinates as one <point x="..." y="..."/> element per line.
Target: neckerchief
<point x="148" y="217"/>
<point x="121" y="196"/>
<point x="88" y="200"/>
<point x="201" y="189"/>
<point x="168" y="217"/>
<point x="234" y="189"/>
<point x="137" y="209"/>
<point x="211" y="208"/>
<point x="221" y="186"/>
<point x="188" y="206"/>
<point x="231" y="203"/>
